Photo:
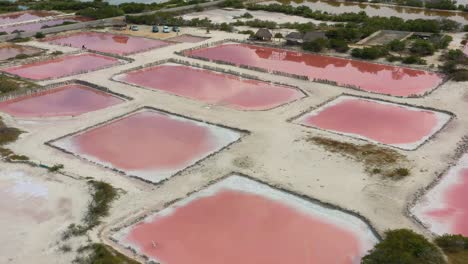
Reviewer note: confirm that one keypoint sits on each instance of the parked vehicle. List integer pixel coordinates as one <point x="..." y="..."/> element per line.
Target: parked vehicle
<point x="134" y="28"/>
<point x="155" y="29"/>
<point x="175" y="29"/>
<point x="166" y="29"/>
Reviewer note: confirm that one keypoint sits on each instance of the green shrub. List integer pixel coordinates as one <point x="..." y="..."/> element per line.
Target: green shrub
<point x="39" y="35"/>
<point x="465" y="28"/>
<point x="413" y="60"/>
<point x="369" y="53"/>
<point x="56" y="167"/>
<point x="403" y="246"/>
<point x="396" y="45"/>
<point x="339" y="45"/>
<point x="422" y="47"/>
<point x="452" y="243"/>
<point x="460" y="76"/>
<point x="316" y="45"/>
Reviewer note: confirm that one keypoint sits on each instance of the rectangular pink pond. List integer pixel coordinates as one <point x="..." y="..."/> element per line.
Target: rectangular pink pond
<point x="11" y="51"/>
<point x="187" y="39"/>
<point x="444" y="208"/>
<point x="376" y="121"/>
<point x="239" y="220"/>
<point x="65" y="100"/>
<point x="370" y="77"/>
<point x="23" y="16"/>
<point x="35" y="26"/>
<point x="211" y="87"/>
<point x="149" y="144"/>
<point x="63" y="66"/>
<point x="109" y="43"/>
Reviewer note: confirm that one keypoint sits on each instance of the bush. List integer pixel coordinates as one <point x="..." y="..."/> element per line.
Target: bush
<point x="316" y="45"/>
<point x="413" y="60"/>
<point x="465" y="28"/>
<point x="460" y="76"/>
<point x="369" y="53"/>
<point x="396" y="45"/>
<point x="452" y="243"/>
<point x="404" y="246"/>
<point x="56" y="168"/>
<point x="39" y="35"/>
<point x="101" y="13"/>
<point x="339" y="45"/>
<point x="422" y="47"/>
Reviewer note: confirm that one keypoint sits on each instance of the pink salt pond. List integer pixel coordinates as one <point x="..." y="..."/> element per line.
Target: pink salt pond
<point x="387" y="123"/>
<point x="66" y="100"/>
<point x="149" y="144"/>
<point x="109" y="43"/>
<point x="370" y="77"/>
<point x="187" y="39"/>
<point x="11" y="51"/>
<point x="23" y="16"/>
<point x="212" y="87"/>
<point x="239" y="220"/>
<point x="62" y="66"/>
<point x="444" y="209"/>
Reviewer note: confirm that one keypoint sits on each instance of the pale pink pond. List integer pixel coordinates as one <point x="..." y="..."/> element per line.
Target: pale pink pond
<point x="109" y="43"/>
<point x="371" y="77"/>
<point x="212" y="87"/>
<point x="387" y="123"/>
<point x="238" y="220"/>
<point x="11" y="51"/>
<point x="444" y="209"/>
<point x="188" y="39"/>
<point x="66" y="100"/>
<point x="62" y="66"/>
<point x="149" y="144"/>
<point x="23" y="16"/>
<point x="35" y="26"/>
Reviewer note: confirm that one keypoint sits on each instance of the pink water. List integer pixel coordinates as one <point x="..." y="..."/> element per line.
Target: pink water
<point x="455" y="210"/>
<point x="212" y="87"/>
<point x="232" y="227"/>
<point x="63" y="66"/>
<point x="72" y="99"/>
<point x="367" y="76"/>
<point x="188" y="39"/>
<point x="382" y="122"/>
<point x="149" y="144"/>
<point x="23" y="16"/>
<point x="106" y="42"/>
<point x="10" y="51"/>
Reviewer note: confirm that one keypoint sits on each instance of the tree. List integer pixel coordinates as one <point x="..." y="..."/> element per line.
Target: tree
<point x="316" y="45"/>
<point x="369" y="53"/>
<point x="422" y="47"/>
<point x="278" y="36"/>
<point x="396" y="45"/>
<point x="404" y="246"/>
<point x="339" y="45"/>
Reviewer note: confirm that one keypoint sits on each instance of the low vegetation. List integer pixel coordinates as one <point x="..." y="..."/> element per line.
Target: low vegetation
<point x="102" y="195"/>
<point x="56" y="168"/>
<point x="455" y="248"/>
<point x="376" y="160"/>
<point x="9" y="135"/>
<point x="404" y="246"/>
<point x="101" y="254"/>
<point x="454" y="65"/>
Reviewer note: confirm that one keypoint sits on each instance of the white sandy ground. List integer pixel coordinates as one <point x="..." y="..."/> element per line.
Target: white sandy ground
<point x="434" y="199"/>
<point x="441" y="118"/>
<point x="274" y="152"/>
<point x="221" y="137"/>
<point x="337" y="218"/>
<point x="39" y="207"/>
<point x="227" y="15"/>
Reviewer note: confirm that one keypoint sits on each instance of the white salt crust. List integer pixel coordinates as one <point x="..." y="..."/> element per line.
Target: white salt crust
<point x="339" y="218"/>
<point x="442" y="119"/>
<point x="221" y="138"/>
<point x="24" y="185"/>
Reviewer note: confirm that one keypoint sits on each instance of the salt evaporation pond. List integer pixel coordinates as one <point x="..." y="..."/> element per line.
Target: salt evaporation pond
<point x="187" y="39"/>
<point x="387" y="123"/>
<point x="367" y="76"/>
<point x="36" y="26"/>
<point x="107" y="42"/>
<point x="149" y="144"/>
<point x="239" y="220"/>
<point x="23" y="16"/>
<point x="10" y="51"/>
<point x="62" y="66"/>
<point x="444" y="209"/>
<point x="212" y="87"/>
<point x="404" y="12"/>
<point x="65" y="100"/>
